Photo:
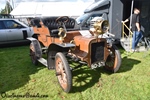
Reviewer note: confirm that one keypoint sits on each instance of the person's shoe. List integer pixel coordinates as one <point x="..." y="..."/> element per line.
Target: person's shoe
<point x="133" y="50"/>
<point x="136" y="50"/>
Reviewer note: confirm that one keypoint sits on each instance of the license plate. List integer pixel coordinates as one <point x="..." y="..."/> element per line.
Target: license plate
<point x="97" y="64"/>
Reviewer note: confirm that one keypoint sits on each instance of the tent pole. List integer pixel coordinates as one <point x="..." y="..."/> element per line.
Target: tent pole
<point x="131" y="12"/>
<point x="12" y="4"/>
<point x="130" y="35"/>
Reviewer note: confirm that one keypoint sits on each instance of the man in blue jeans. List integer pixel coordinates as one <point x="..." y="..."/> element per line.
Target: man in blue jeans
<point x="135" y="26"/>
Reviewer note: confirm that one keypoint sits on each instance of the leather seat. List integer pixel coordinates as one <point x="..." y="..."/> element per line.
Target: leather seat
<point x="53" y="26"/>
<point x="35" y="22"/>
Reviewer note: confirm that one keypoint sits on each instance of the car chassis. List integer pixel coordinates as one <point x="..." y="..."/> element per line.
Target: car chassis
<point x="91" y="47"/>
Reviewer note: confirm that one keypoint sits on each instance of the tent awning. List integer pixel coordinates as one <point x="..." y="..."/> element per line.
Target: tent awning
<point x="34" y="9"/>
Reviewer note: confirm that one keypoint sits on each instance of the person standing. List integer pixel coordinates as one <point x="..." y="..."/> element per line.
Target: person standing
<point x="135" y="27"/>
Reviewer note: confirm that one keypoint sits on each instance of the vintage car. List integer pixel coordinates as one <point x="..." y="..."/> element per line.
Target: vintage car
<point x="62" y="42"/>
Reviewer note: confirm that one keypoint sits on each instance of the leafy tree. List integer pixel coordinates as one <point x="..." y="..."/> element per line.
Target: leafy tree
<point x="2" y="11"/>
<point x="7" y="9"/>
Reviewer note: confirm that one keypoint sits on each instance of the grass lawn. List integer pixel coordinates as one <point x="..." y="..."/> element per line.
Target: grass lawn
<point x="18" y="76"/>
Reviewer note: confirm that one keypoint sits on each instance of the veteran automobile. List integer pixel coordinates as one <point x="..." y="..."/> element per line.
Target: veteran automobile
<point x="58" y="38"/>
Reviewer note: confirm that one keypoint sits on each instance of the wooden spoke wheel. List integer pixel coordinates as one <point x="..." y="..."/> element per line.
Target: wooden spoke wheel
<point x="113" y="61"/>
<point x="63" y="72"/>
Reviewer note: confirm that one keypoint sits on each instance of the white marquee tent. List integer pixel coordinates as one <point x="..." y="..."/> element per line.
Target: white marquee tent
<point x="42" y="9"/>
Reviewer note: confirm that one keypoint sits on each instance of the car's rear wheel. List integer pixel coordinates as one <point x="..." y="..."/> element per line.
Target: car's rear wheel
<point x="33" y="56"/>
<point x="63" y="72"/>
<point x="113" y="61"/>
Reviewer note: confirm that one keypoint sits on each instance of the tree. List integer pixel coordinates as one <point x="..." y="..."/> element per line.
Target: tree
<point x="2" y="11"/>
<point x="7" y="9"/>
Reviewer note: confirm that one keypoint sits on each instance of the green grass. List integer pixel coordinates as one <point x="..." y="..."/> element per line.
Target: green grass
<point x="18" y="76"/>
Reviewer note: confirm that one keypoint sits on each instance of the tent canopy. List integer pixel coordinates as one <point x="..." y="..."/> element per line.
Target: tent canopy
<point x="43" y="9"/>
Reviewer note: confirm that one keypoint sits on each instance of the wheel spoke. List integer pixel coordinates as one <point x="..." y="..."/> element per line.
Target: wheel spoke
<point x="64" y="78"/>
<point x="62" y="75"/>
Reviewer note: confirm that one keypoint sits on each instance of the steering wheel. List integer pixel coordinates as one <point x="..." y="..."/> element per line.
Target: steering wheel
<point x="62" y="19"/>
<point x="61" y="22"/>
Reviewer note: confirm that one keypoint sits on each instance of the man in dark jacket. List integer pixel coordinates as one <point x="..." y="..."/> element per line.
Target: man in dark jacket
<point x="135" y="26"/>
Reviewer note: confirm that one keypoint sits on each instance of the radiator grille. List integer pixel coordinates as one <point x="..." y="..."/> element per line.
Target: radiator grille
<point x="97" y="51"/>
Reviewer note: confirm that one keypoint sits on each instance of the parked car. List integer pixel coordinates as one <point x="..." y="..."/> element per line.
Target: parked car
<point x="14" y="31"/>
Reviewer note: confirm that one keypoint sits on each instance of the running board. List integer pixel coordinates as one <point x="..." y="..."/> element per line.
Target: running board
<point x="43" y="61"/>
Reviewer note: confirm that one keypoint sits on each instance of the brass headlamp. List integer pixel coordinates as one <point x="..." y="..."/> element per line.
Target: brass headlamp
<point x="62" y="34"/>
<point x="101" y="27"/>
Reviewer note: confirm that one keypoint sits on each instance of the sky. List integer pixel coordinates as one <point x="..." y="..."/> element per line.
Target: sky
<point x="3" y="2"/>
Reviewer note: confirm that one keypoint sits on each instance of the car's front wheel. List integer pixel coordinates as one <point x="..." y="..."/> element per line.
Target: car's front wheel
<point x="63" y="72"/>
<point x="113" y="61"/>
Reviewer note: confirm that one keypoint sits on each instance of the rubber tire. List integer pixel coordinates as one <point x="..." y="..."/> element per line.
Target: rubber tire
<point x="67" y="71"/>
<point x="117" y="60"/>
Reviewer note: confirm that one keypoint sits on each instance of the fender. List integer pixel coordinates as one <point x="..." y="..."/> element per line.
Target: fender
<point x="36" y="46"/>
<point x="53" y="49"/>
<point x="60" y="47"/>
